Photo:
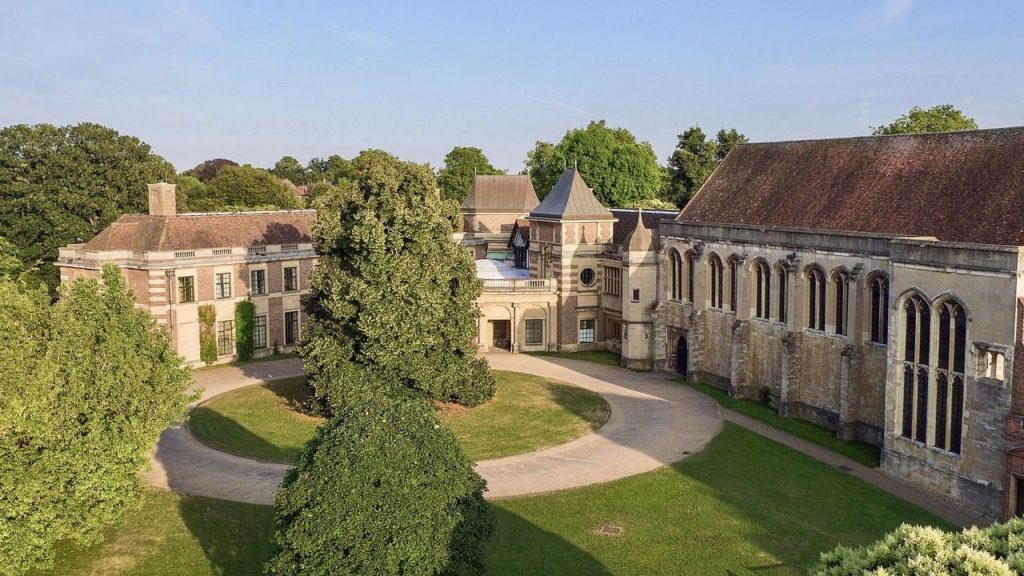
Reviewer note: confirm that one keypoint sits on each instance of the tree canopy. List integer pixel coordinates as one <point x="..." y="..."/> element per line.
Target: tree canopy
<point x="243" y="188"/>
<point x="392" y="299"/>
<point x="696" y="156"/>
<point x="205" y="171"/>
<point x="941" y="118"/>
<point x="333" y="170"/>
<point x="89" y="383"/>
<point x="289" y="168"/>
<point x="620" y="169"/>
<point x="460" y="165"/>
<point x="62" y="185"/>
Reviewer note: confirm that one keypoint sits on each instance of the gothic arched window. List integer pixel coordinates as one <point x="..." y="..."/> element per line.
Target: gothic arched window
<point x="734" y="273"/>
<point x="879" y="309"/>
<point x="763" y="282"/>
<point x="816" y="298"/>
<point x="916" y="340"/>
<point x="715" y="271"/>
<point x="677" y="275"/>
<point x="782" y="274"/>
<point x="842" y="302"/>
<point x="691" y="266"/>
<point x="949" y="376"/>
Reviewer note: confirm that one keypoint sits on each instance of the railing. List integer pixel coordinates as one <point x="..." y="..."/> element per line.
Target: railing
<point x="527" y="285"/>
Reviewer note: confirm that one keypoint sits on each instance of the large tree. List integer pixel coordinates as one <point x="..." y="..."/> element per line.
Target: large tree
<point x="332" y="170"/>
<point x="460" y="165"/>
<point x="207" y="170"/>
<point x="620" y="169"/>
<point x="696" y="156"/>
<point x="245" y="188"/>
<point x="61" y="185"/>
<point x="941" y="118"/>
<point x="88" y="385"/>
<point x="289" y="168"/>
<point x="393" y="297"/>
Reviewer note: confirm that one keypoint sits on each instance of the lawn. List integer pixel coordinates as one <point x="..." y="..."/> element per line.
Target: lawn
<point x="745" y="506"/>
<point x="526" y="413"/>
<point x="866" y="454"/>
<point x="597" y="356"/>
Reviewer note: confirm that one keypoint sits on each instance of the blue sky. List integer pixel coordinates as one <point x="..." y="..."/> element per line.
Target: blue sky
<point x="254" y="81"/>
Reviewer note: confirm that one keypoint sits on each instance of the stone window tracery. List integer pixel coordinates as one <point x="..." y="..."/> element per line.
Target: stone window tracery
<point x="691" y="265"/>
<point x="677" y="275"/>
<point x="816" y="298"/>
<point x="763" y="281"/>
<point x="949" y="377"/>
<point x="781" y="312"/>
<point x="916" y="350"/>
<point x="879" y="309"/>
<point x="734" y="272"/>
<point x="842" y="303"/>
<point x="715" y="272"/>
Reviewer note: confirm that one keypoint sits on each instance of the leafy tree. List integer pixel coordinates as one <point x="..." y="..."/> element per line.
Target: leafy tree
<point x="393" y="297"/>
<point x="190" y="191"/>
<point x="207" y="170"/>
<point x="207" y="333"/>
<point x="245" y="188"/>
<point x="460" y="165"/>
<point x="619" y="169"/>
<point x="62" y="185"/>
<point x="332" y="170"/>
<point x="10" y="265"/>
<point x="319" y="189"/>
<point x="694" y="159"/>
<point x="290" y="169"/>
<point x="244" y="312"/>
<point x="88" y="385"/>
<point x="941" y="118"/>
<point x="382" y="489"/>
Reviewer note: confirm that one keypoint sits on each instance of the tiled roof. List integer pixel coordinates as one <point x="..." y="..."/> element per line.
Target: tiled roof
<point x="501" y="194"/>
<point x="141" y="232"/>
<point x="627" y="221"/>
<point x="955" y="186"/>
<point x="571" y="199"/>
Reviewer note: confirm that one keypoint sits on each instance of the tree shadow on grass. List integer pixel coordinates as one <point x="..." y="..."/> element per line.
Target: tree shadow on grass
<point x="588" y="406"/>
<point x="225" y="434"/>
<point x="520" y="547"/>
<point x="237" y="538"/>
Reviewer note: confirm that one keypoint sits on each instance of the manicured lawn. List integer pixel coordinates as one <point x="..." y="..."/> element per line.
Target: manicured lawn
<point x="527" y="413"/>
<point x="270" y="358"/>
<point x="866" y="454"/>
<point x="598" y="356"/>
<point x="745" y="506"/>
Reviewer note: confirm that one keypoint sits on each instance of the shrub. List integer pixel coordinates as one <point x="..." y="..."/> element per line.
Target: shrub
<point x="382" y="489"/>
<point x="244" y="311"/>
<point x="207" y="333"/>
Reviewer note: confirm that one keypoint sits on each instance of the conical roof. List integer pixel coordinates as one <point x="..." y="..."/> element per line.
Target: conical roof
<point x="571" y="199"/>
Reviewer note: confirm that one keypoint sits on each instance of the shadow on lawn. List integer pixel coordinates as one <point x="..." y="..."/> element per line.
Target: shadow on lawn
<point x="529" y="549"/>
<point x="237" y="538"/>
<point x="208" y="425"/>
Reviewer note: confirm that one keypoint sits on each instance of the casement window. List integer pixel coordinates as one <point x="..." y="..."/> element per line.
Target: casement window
<point x="949" y="377"/>
<point x="842" y="303"/>
<point x="879" y="309"/>
<point x="259" y="332"/>
<point x="612" y="281"/>
<point x="258" y="282"/>
<point x="763" y="290"/>
<point x="691" y="266"/>
<point x="715" y="273"/>
<point x="186" y="289"/>
<point x="587" y="331"/>
<point x="291" y="327"/>
<point x="677" y="275"/>
<point x="225" y="337"/>
<point x="291" y="278"/>
<point x="222" y="286"/>
<point x="534" y="331"/>
<point x="816" y="299"/>
<point x="916" y="341"/>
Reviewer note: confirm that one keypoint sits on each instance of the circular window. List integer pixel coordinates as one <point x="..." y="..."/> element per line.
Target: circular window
<point x="587" y="276"/>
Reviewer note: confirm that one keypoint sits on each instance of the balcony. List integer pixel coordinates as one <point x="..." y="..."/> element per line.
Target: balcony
<point x="526" y="286"/>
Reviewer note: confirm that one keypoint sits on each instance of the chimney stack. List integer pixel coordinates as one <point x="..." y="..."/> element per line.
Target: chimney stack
<point x="162" y="199"/>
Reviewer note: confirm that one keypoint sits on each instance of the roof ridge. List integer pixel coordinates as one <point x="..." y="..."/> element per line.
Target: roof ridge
<point x="913" y="135"/>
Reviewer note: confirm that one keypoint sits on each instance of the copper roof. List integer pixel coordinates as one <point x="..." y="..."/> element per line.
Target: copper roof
<point x="955" y="186"/>
<point x="571" y="199"/>
<point x="141" y="232"/>
<point x="501" y="194"/>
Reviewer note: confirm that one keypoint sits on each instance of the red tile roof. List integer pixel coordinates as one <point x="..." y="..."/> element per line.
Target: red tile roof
<point x="141" y="232"/>
<point x="955" y="186"/>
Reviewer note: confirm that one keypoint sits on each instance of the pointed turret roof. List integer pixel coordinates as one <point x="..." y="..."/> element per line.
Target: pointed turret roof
<point x="641" y="238"/>
<point x="571" y="199"/>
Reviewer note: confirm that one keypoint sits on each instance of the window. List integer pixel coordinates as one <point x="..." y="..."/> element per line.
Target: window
<point x="691" y="265"/>
<point x="259" y="332"/>
<point x="258" y="282"/>
<point x="291" y="278"/>
<point x="816" y="299"/>
<point x="586" y="331"/>
<point x="226" y="337"/>
<point x="636" y="295"/>
<point x="734" y="269"/>
<point x="879" y="309"/>
<point x="534" y="331"/>
<point x="223" y="285"/>
<point x="991" y="363"/>
<point x="949" y="377"/>
<point x="842" y="302"/>
<point x="917" y="333"/>
<point x="763" y="281"/>
<point x="783" y="275"/>
<point x="715" y="273"/>
<point x="587" y="277"/>
<point x="677" y="276"/>
<point x="291" y="327"/>
<point x="612" y="281"/>
<point x="186" y="289"/>
<point x="614" y="329"/>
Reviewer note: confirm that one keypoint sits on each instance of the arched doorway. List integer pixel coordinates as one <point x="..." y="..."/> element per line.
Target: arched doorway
<point x="682" y="356"/>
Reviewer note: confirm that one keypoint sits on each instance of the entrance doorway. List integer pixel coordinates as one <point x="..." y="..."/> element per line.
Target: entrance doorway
<point x="502" y="334"/>
<point x="682" y="356"/>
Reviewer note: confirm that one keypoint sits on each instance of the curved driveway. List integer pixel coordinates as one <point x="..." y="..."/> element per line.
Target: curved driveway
<point x="653" y="422"/>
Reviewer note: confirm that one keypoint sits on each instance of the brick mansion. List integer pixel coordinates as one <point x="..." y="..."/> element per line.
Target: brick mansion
<point x="869" y="285"/>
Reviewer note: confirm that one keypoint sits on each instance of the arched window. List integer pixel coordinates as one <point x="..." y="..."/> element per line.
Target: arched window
<point x="879" y="309"/>
<point x="782" y="274"/>
<point x="842" y="302"/>
<point x="949" y="377"/>
<point x="715" y="273"/>
<point x="734" y="270"/>
<point x="691" y="265"/>
<point x="677" y="276"/>
<point x="763" y="281"/>
<point x="917" y="336"/>
<point x="816" y="298"/>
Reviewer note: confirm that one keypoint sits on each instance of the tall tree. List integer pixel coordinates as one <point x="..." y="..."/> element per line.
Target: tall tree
<point x="696" y="156"/>
<point x="941" y="118"/>
<point x="460" y="165"/>
<point x="88" y="385"/>
<point x="289" y="168"/>
<point x="620" y="169"/>
<point x="392" y="299"/>
<point x="245" y="188"/>
<point x="207" y="170"/>
<point x="331" y="170"/>
<point x="61" y="185"/>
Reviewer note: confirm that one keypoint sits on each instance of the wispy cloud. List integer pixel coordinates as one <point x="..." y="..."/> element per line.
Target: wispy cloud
<point x="367" y="38"/>
<point x="558" y="104"/>
<point x="892" y="11"/>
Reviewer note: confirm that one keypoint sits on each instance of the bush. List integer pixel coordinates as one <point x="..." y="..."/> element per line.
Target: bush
<point x="382" y="489"/>
<point x="207" y="333"/>
<point x="997" y="550"/>
<point x="244" y="311"/>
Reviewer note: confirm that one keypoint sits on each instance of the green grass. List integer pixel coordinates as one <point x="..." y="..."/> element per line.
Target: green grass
<point x="527" y="413"/>
<point x="861" y="452"/>
<point x="597" y="356"/>
<point x="745" y="506"/>
<point x="269" y="358"/>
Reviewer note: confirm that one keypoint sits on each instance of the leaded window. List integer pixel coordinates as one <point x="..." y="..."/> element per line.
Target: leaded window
<point x="949" y="377"/>
<point x="226" y="337"/>
<point x="715" y="271"/>
<point x="534" y="331"/>
<point x="691" y="265"/>
<point x="879" y="309"/>
<point x="291" y="327"/>
<point x="186" y="289"/>
<point x="586" y="331"/>
<point x="917" y="338"/>
<point x="734" y="273"/>
<point x="763" y="281"/>
<point x="291" y="279"/>
<point x="677" y="276"/>
<point x="259" y="332"/>
<point x="815" y="299"/>
<point x="222" y="286"/>
<point x="258" y="282"/>
<point x="842" y="303"/>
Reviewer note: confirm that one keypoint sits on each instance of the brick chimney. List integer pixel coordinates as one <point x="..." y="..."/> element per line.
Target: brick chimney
<point x="161" y="199"/>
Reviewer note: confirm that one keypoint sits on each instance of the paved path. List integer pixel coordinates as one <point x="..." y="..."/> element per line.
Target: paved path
<point x="653" y="422"/>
